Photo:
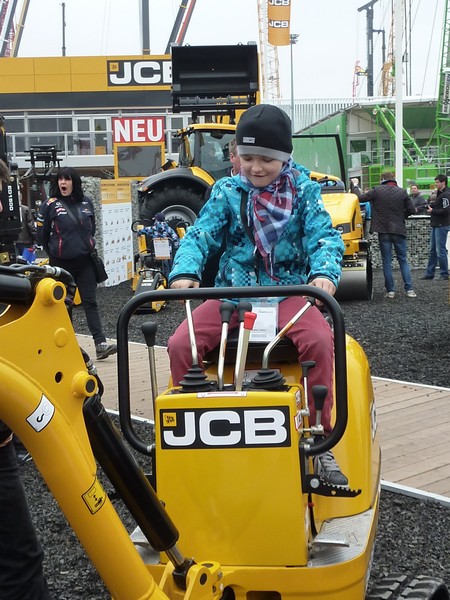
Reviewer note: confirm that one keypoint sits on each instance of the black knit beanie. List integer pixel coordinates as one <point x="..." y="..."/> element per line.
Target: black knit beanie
<point x="265" y="130"/>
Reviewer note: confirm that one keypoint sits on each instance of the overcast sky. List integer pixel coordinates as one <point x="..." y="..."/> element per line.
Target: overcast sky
<point x="332" y="37"/>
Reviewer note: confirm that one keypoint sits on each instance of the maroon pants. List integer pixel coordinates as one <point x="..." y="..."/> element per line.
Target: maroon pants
<point x="311" y="335"/>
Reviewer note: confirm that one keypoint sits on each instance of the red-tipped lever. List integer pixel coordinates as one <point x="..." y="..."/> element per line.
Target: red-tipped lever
<point x="241" y="359"/>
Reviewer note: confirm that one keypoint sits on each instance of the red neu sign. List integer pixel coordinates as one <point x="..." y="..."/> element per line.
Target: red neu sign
<point x="138" y="130"/>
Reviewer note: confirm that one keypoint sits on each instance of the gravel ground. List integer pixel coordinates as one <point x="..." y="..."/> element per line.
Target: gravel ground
<point x="404" y="339"/>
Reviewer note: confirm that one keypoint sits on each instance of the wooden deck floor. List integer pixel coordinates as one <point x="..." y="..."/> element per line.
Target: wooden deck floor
<point x="413" y="419"/>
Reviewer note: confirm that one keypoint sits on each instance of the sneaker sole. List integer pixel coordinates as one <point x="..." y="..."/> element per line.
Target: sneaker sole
<point x="106" y="354"/>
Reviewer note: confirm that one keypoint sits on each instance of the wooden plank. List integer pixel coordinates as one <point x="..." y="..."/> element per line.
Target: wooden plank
<point x="140" y="388"/>
<point x="427" y="450"/>
<point x="408" y="398"/>
<point x="411" y="416"/>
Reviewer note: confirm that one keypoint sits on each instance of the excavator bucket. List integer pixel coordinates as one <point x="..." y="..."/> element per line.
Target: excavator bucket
<point x="214" y="78"/>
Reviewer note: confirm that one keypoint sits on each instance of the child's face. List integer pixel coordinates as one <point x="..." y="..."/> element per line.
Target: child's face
<point x="260" y="170"/>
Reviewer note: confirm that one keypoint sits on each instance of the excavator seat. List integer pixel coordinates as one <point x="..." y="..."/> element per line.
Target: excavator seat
<point x="284" y="351"/>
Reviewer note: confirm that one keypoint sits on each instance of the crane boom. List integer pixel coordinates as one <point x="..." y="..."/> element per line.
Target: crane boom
<point x="19" y="29"/>
<point x="7" y="26"/>
<point x="181" y="24"/>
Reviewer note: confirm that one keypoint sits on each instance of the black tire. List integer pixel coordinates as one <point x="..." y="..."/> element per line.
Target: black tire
<point x="143" y="222"/>
<point x="181" y="205"/>
<point x="398" y="587"/>
<point x="178" y="203"/>
<point x="369" y="273"/>
<point x="388" y="588"/>
<point x="426" y="588"/>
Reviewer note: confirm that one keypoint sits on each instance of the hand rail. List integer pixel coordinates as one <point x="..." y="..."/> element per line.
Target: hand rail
<point x="329" y="302"/>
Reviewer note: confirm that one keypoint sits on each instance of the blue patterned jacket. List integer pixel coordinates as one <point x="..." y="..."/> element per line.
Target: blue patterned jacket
<point x="309" y="247"/>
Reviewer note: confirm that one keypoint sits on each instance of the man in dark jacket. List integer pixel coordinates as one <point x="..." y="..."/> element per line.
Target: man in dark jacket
<point x="419" y="201"/>
<point x="390" y="207"/>
<point x="439" y="211"/>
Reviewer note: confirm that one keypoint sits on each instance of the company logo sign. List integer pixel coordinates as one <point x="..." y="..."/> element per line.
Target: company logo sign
<point x="138" y="73"/>
<point x="279" y="17"/>
<point x="243" y="427"/>
<point x="140" y="130"/>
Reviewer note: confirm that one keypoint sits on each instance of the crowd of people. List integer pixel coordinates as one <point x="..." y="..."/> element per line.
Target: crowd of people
<point x="390" y="206"/>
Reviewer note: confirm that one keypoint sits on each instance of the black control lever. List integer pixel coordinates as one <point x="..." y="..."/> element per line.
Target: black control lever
<point x="306" y="366"/>
<point x="149" y="331"/>
<point x="195" y="378"/>
<point x="319" y="393"/>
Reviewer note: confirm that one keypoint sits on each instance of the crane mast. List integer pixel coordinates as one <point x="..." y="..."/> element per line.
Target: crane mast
<point x="8" y="8"/>
<point x="270" y="79"/>
<point x="387" y="87"/>
<point x="443" y="98"/>
<point x="11" y="35"/>
<point x="19" y="29"/>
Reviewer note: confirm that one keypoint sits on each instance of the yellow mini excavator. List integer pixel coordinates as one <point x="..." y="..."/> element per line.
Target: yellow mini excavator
<point x="234" y="508"/>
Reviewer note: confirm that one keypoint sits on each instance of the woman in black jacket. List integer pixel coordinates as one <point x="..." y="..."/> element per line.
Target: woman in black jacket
<point x="66" y="229"/>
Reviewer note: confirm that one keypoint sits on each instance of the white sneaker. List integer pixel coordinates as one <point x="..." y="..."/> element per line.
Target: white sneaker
<point x="390" y="295"/>
<point x="411" y="294"/>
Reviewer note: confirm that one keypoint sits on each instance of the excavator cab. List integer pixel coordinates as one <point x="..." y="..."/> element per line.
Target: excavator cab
<point x="205" y="147"/>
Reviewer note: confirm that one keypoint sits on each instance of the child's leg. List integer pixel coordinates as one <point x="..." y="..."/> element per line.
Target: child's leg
<point x="313" y="339"/>
<point x="207" y="327"/>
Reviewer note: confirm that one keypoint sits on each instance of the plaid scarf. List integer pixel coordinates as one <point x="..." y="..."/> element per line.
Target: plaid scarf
<point x="269" y="209"/>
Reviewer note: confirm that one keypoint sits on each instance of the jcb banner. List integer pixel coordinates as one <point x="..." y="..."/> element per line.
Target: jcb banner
<point x="279" y="16"/>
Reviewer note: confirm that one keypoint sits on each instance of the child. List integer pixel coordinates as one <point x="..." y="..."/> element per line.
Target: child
<point x="161" y="229"/>
<point x="291" y="242"/>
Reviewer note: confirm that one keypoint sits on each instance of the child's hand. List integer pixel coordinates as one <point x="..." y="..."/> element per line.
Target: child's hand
<point x="182" y="284"/>
<point x="324" y="284"/>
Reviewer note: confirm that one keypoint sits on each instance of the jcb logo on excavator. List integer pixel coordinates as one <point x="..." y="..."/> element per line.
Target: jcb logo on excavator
<point x="225" y="428"/>
<point x="139" y="72"/>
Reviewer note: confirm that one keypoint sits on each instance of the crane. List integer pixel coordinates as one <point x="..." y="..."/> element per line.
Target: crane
<point x="11" y="35"/>
<point x="181" y="24"/>
<point x="19" y="29"/>
<point x="270" y="79"/>
<point x="7" y="26"/>
<point x="387" y="86"/>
